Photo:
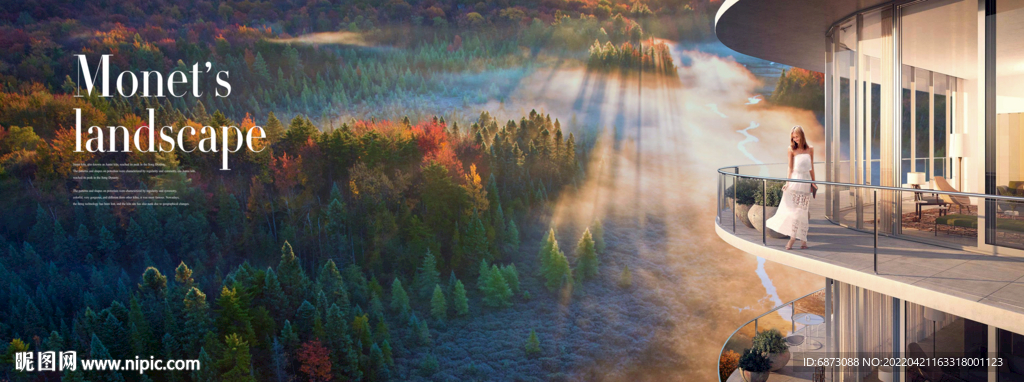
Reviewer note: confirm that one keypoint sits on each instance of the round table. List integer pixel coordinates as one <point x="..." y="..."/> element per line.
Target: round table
<point x="808" y="319"/>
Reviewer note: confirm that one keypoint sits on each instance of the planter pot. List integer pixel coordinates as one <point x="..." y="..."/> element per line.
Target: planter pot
<point x="742" y="213"/>
<point x="779" y="360"/>
<point x="756" y="377"/>
<point x="755" y="219"/>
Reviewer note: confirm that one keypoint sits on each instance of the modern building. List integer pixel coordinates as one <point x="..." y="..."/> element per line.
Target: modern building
<point x="916" y="229"/>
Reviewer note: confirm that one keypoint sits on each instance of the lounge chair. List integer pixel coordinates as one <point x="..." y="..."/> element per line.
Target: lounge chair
<point x="941" y="184"/>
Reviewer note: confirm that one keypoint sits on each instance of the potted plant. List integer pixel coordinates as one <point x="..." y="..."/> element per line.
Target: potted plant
<point x="744" y="191"/>
<point x="756" y="367"/>
<point x="773" y="345"/>
<point x="766" y="205"/>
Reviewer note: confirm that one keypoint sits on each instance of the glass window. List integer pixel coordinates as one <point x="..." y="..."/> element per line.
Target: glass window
<point x="1009" y="118"/>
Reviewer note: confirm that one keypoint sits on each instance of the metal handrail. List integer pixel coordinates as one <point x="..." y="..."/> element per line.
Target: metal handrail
<point x="775" y="309"/>
<point x="868" y="186"/>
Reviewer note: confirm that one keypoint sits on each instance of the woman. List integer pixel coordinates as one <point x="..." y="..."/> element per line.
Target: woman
<point x="791" y="217"/>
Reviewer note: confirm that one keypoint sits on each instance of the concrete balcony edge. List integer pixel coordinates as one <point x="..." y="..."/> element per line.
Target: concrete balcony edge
<point x="963" y="307"/>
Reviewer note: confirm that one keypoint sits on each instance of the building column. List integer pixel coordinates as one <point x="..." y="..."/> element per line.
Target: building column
<point x="993" y="352"/>
<point x="899" y="334"/>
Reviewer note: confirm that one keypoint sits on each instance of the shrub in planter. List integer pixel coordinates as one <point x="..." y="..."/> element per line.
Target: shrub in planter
<point x="766" y="205"/>
<point x="756" y="367"/>
<point x="773" y="345"/>
<point x="745" y="190"/>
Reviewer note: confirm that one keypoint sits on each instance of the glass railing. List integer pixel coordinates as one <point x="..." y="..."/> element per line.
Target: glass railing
<point x="801" y="322"/>
<point x="940" y="216"/>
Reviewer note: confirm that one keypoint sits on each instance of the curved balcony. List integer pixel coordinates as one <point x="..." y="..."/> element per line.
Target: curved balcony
<point x="800" y="320"/>
<point x="919" y="245"/>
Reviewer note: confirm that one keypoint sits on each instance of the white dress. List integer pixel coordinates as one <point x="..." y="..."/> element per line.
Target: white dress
<point x="791" y="217"/>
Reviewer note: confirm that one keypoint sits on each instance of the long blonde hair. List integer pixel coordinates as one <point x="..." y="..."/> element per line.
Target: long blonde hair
<point x="792" y="143"/>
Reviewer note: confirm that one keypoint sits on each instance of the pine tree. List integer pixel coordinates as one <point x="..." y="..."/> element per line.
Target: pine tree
<point x="438" y="305"/>
<point x="423" y="333"/>
<point x="399" y="299"/>
<point x="587" y="255"/>
<point x="513" y="236"/>
<point x="379" y="364"/>
<point x="427" y="277"/>
<point x="385" y="348"/>
<point x="274" y="295"/>
<point x="207" y="373"/>
<point x="598" y="233"/>
<point x="233" y="315"/>
<point x="483" y="274"/>
<point x="459" y="299"/>
<point x="278" y="361"/>
<point x="532" y="344"/>
<point x="556" y="267"/>
<point x="234" y="364"/>
<point x="511" y="275"/>
<point x="292" y="277"/>
<point x="475" y="246"/>
<point x="497" y="292"/>
<point x="98" y="351"/>
<point x="274" y="128"/>
<point x="333" y="285"/>
<point x="361" y="331"/>
<point x="626" y="278"/>
<point x="108" y="246"/>
<point x="305" y="317"/>
<point x="546" y="246"/>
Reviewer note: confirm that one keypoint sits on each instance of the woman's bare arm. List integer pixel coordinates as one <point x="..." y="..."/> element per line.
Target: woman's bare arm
<point x="812" y="163"/>
<point x="789" y="174"/>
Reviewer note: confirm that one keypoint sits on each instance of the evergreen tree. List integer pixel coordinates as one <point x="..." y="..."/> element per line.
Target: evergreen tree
<point x="385" y="348"/>
<point x="438" y="305"/>
<point x="459" y="299"/>
<point x="427" y="277"/>
<point x="274" y="128"/>
<point x="532" y="344"/>
<point x="497" y="292"/>
<point x="626" y="278"/>
<point x="484" y="272"/>
<point x="98" y="351"/>
<point x="475" y="246"/>
<point x="108" y="246"/>
<point x="289" y="337"/>
<point x="207" y="373"/>
<point x="278" y="361"/>
<point x="292" y="277"/>
<point x="598" y="233"/>
<point x="305" y="317"/>
<point x="423" y="333"/>
<point x="512" y="237"/>
<point x="555" y="269"/>
<point x="399" y="299"/>
<point x="379" y="364"/>
<point x="546" y="247"/>
<point x="233" y="315"/>
<point x="361" y="331"/>
<point x="235" y="361"/>
<point x="197" y="319"/>
<point x="273" y="294"/>
<point x="511" y="275"/>
<point x="587" y="257"/>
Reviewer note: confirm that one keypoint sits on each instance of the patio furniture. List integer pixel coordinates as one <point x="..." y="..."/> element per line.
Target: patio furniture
<point x="808" y="319"/>
<point x="971" y="222"/>
<point x="960" y="201"/>
<point x="795" y="340"/>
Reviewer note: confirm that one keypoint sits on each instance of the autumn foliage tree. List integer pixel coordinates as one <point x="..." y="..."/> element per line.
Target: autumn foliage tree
<point x="316" y="362"/>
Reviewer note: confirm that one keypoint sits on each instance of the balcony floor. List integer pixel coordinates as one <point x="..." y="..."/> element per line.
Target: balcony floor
<point x="986" y="288"/>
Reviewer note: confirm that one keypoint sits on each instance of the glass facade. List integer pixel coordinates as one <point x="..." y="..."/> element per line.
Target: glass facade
<point x="928" y="95"/>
